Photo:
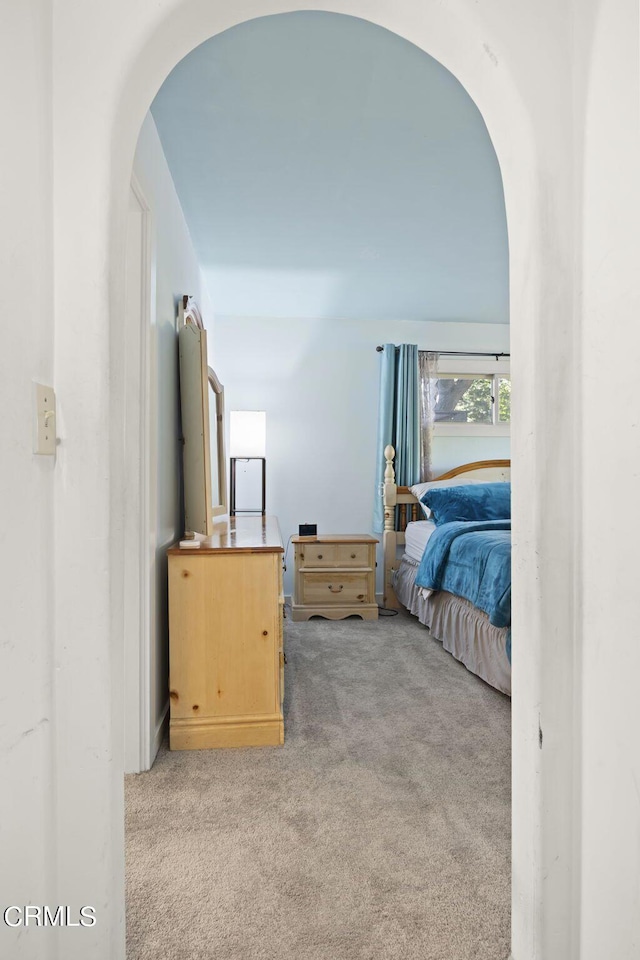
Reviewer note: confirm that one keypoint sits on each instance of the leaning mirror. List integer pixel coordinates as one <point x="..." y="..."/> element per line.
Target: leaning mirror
<point x="202" y="416"/>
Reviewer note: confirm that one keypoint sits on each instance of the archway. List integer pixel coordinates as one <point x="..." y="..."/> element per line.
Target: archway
<point x="465" y="42"/>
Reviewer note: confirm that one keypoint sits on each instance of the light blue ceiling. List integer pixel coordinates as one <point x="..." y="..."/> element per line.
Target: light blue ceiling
<point x="328" y="168"/>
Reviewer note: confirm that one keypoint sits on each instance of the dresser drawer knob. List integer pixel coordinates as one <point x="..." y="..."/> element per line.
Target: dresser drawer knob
<point x="319" y="556"/>
<point x="353" y="556"/>
<point x="337" y="589"/>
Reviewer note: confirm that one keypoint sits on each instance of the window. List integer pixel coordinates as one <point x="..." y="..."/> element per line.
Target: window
<point x="468" y="396"/>
<point x="472" y="399"/>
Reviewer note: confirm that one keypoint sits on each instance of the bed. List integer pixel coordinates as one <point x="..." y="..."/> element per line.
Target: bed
<point x="463" y="629"/>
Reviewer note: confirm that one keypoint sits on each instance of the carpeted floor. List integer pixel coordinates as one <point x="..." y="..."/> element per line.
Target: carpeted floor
<point x="379" y="831"/>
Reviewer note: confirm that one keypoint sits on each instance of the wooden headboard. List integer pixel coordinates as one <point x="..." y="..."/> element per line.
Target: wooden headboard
<point x="410" y="509"/>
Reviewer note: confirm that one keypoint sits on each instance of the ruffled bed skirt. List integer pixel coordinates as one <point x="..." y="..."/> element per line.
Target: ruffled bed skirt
<point x="462" y="629"/>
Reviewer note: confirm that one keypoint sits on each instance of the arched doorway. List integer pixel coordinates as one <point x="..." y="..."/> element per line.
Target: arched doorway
<point x="543" y="779"/>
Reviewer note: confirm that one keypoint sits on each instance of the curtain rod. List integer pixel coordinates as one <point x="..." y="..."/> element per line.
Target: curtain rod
<point x="460" y="353"/>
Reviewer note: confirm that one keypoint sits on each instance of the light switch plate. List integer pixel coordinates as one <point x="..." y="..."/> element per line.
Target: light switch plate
<point x="44" y="435"/>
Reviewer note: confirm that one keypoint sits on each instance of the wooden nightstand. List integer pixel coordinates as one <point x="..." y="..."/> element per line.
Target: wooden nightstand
<point x="335" y="577"/>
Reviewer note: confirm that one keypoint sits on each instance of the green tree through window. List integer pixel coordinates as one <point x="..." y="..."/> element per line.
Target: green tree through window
<point x="472" y="399"/>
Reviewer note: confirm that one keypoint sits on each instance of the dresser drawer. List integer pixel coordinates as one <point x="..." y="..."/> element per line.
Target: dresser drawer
<point x="335" y="589"/>
<point x="333" y="555"/>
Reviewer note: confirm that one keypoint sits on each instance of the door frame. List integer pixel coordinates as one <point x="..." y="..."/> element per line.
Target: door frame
<point x="99" y="102"/>
<point x="139" y="626"/>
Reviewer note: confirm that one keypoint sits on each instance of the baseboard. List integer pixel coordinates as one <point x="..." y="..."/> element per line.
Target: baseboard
<point x="160" y="732"/>
<point x="207" y="732"/>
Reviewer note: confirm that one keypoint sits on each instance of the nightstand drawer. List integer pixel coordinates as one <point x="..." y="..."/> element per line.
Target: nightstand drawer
<point x="332" y="555"/>
<point x="340" y="587"/>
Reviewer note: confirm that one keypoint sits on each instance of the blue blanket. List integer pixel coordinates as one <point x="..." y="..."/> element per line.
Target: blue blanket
<point x="472" y="560"/>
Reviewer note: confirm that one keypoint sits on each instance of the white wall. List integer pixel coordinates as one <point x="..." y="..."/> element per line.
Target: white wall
<point x="609" y="189"/>
<point x="318" y="381"/>
<point x="108" y="62"/>
<point x="175" y="272"/>
<point x="27" y="621"/>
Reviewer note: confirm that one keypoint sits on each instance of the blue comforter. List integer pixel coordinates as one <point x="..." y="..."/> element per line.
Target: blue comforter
<point x="471" y="560"/>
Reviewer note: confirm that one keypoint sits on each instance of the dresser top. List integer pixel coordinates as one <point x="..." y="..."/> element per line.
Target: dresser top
<point x="337" y="538"/>
<point x="244" y="534"/>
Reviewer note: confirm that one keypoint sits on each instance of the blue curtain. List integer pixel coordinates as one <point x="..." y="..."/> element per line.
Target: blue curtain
<point x="398" y="420"/>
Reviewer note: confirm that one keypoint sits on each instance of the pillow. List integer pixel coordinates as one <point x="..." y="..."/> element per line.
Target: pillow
<point x="419" y="489"/>
<point x="478" y="501"/>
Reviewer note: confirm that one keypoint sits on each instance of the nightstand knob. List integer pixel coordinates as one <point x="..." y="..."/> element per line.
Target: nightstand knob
<point x="353" y="556"/>
<point x="319" y="556"/>
<point x="335" y="590"/>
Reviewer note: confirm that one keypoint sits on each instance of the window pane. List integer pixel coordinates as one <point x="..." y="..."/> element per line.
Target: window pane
<point x="504" y="400"/>
<point x="463" y="400"/>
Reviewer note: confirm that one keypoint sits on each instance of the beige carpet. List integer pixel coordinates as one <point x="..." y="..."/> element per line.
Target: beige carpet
<point x="379" y="831"/>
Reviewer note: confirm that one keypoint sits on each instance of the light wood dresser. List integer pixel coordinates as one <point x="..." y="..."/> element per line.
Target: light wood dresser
<point x="335" y="577"/>
<point x="226" y="655"/>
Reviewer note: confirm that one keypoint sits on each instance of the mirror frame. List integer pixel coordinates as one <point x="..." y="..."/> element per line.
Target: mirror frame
<point x="220" y="508"/>
<point x="189" y="312"/>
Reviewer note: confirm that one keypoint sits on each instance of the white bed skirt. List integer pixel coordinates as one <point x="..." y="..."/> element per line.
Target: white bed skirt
<point x="462" y="629"/>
